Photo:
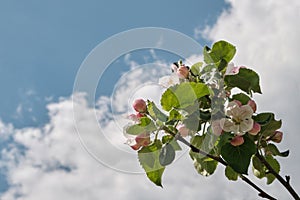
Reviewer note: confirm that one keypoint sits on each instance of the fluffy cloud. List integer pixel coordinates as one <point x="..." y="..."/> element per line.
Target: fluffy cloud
<point x="54" y="165"/>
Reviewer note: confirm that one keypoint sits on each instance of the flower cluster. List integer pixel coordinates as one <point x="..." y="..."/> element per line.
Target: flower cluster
<point x="200" y="105"/>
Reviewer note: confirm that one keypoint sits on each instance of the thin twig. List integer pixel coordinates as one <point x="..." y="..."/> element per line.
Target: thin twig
<point x="261" y="193"/>
<point x="285" y="183"/>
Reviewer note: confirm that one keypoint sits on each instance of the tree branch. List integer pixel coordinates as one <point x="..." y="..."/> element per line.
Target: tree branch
<point x="261" y="193"/>
<point x="285" y="183"/>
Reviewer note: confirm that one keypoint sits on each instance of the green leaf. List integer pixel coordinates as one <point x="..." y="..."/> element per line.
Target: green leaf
<point x="231" y="174"/>
<point x="275" y="165"/>
<point x="149" y="160"/>
<point x="203" y="165"/>
<point x="167" y="155"/>
<point x="155" y="113"/>
<point x="223" y="139"/>
<point x="195" y="68"/>
<point x="221" y="50"/>
<point x="135" y="129"/>
<point x="258" y="168"/>
<point x="271" y="149"/>
<point x="239" y="157"/>
<point x="145" y="125"/>
<point x="205" y="115"/>
<point x="192" y="122"/>
<point x="247" y="80"/>
<point x="169" y="100"/>
<point x="268" y="123"/>
<point x="243" y="98"/>
<point x="183" y="95"/>
<point x="174" y="115"/>
<point x="144" y="121"/>
<point x="172" y="141"/>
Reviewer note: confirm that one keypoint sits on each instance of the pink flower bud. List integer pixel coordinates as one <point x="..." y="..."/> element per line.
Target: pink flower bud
<point x="216" y="127"/>
<point x="174" y="68"/>
<point x="183" y="72"/>
<point x="136" y="117"/>
<point x="183" y="130"/>
<point x="140" y="105"/>
<point x="141" y="140"/>
<point x="237" y="141"/>
<point x="238" y="102"/>
<point x="252" y="104"/>
<point x="136" y="147"/>
<point x="277" y="136"/>
<point x="255" y="129"/>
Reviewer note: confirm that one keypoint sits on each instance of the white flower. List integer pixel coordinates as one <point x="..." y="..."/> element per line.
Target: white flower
<point x="240" y="118"/>
<point x="232" y="70"/>
<point x="168" y="81"/>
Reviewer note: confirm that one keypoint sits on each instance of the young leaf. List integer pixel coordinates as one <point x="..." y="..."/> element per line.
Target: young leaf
<point x="275" y="165"/>
<point x="243" y="98"/>
<point x="167" y="155"/>
<point x="203" y="165"/>
<point x="149" y="160"/>
<point x="271" y="149"/>
<point x="268" y="124"/>
<point x="145" y="125"/>
<point x="258" y="168"/>
<point x="231" y="174"/>
<point x="155" y="113"/>
<point x="220" y="50"/>
<point x="183" y="95"/>
<point x="247" y="80"/>
<point x="239" y="157"/>
<point x="174" y="115"/>
<point x="171" y="140"/>
<point x="195" y="68"/>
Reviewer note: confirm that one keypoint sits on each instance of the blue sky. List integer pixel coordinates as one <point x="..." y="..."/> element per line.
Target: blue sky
<point x="43" y="44"/>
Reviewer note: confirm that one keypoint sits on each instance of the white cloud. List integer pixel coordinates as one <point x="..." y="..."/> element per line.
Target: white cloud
<point x="54" y="165"/>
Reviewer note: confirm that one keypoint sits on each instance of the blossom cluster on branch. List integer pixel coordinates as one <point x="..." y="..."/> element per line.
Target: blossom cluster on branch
<point x="199" y="108"/>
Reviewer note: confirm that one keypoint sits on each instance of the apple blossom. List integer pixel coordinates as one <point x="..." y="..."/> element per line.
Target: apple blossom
<point x="238" y="102"/>
<point x="183" y="72"/>
<point x="255" y="129"/>
<point x="237" y="141"/>
<point x="136" y="117"/>
<point x="140" y="106"/>
<point x="216" y="127"/>
<point x="277" y="136"/>
<point x="167" y="81"/>
<point x="141" y="140"/>
<point x="240" y="118"/>
<point x="233" y="70"/>
<point x="252" y="104"/>
<point x="183" y="130"/>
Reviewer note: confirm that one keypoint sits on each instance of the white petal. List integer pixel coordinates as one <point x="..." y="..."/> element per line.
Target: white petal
<point x="246" y="125"/>
<point x="227" y="125"/>
<point x="232" y="109"/>
<point x="245" y="112"/>
<point x="167" y="81"/>
<point x="229" y="69"/>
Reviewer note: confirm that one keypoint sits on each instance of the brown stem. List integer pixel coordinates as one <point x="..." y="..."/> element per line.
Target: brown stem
<point x="285" y="183"/>
<point x="261" y="193"/>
